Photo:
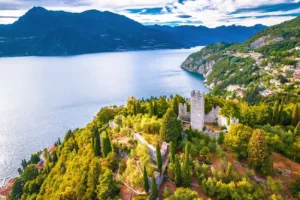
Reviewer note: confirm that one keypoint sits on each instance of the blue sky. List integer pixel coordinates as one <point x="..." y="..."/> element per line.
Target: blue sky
<point x="209" y="13"/>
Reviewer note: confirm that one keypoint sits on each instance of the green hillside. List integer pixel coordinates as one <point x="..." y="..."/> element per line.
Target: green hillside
<point x="269" y="61"/>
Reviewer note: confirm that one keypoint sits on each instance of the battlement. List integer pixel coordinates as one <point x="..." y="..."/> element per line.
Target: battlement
<point x="197" y="94"/>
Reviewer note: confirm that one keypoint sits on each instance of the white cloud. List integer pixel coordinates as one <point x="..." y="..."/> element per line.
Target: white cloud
<point x="210" y="12"/>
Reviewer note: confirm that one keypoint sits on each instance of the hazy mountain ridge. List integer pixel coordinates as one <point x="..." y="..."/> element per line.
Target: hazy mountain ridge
<point x="201" y="35"/>
<point x="41" y="32"/>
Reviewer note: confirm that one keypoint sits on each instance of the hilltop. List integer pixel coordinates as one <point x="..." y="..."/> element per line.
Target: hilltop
<point x="149" y="149"/>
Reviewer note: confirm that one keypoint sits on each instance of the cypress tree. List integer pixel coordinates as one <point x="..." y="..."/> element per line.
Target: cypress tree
<point x="280" y="113"/>
<point x="297" y="131"/>
<point x="175" y="106"/>
<point x="170" y="128"/>
<point x="154" y="189"/>
<point x="146" y="183"/>
<point x="296" y="115"/>
<point x="55" y="158"/>
<point x="138" y="107"/>
<point x="158" y="158"/>
<point x="134" y="109"/>
<point x="186" y="172"/>
<point x="177" y="171"/>
<point x="275" y="113"/>
<point x="221" y="138"/>
<point x="106" y="145"/>
<point x="155" y="109"/>
<point x="257" y="149"/>
<point x="172" y="151"/>
<point x="228" y="172"/>
<point x="151" y="111"/>
<point x="96" y="142"/>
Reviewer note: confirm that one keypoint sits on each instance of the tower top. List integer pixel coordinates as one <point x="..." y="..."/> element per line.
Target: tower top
<point x="197" y="93"/>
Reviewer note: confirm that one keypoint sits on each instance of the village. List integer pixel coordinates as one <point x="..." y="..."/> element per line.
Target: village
<point x="277" y="77"/>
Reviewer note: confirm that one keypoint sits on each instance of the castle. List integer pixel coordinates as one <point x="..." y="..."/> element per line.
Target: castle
<point x="197" y="116"/>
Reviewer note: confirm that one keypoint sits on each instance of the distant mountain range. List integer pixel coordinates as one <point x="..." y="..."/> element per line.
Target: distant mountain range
<point x="41" y="32"/>
<point x="201" y="35"/>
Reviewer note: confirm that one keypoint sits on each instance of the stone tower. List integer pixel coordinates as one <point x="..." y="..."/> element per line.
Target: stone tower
<point x="197" y="110"/>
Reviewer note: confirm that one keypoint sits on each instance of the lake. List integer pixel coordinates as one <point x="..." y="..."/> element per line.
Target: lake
<point x="41" y="98"/>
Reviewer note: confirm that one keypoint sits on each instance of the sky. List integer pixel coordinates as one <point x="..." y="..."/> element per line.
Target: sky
<point x="210" y="13"/>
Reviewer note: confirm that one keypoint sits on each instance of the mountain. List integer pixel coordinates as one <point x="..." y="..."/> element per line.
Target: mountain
<point x="201" y="35"/>
<point x="266" y="64"/>
<point x="41" y="32"/>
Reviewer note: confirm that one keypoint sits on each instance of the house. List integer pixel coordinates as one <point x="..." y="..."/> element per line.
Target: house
<point x="266" y="93"/>
<point x="275" y="82"/>
<point x="297" y="48"/>
<point x="240" y="93"/>
<point x="297" y="73"/>
<point x="232" y="88"/>
<point x="287" y="68"/>
<point x="267" y="68"/>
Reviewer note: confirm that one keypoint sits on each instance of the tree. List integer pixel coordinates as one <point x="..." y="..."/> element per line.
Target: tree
<point x="30" y="173"/>
<point x="280" y="113"/>
<point x="146" y="182"/>
<point x="186" y="166"/>
<point x="258" y="149"/>
<point x="204" y="153"/>
<point x="93" y="179"/>
<point x="171" y="127"/>
<point x="106" y="145"/>
<point x="172" y="151"/>
<point x="295" y="188"/>
<point x="151" y="110"/>
<point x="228" y="172"/>
<point x="221" y="138"/>
<point x="17" y="189"/>
<point x="54" y="157"/>
<point x="275" y="113"/>
<point x="237" y="139"/>
<point x="162" y="106"/>
<point x="158" y="158"/>
<point x="175" y="106"/>
<point x="296" y="115"/>
<point x="107" y="188"/>
<point x="297" y="131"/>
<point x="184" y="194"/>
<point x="155" y="109"/>
<point x="177" y="171"/>
<point x="154" y="189"/>
<point x="96" y="142"/>
<point x="82" y="185"/>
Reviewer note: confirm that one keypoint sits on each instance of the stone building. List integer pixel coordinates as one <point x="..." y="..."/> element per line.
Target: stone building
<point x="197" y="110"/>
<point x="197" y="116"/>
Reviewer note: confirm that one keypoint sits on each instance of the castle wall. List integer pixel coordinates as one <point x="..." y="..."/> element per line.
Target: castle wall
<point x="212" y="116"/>
<point x="197" y="110"/>
<point x="182" y="111"/>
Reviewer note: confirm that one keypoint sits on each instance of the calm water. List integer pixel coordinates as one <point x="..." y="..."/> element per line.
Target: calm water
<point x="43" y="97"/>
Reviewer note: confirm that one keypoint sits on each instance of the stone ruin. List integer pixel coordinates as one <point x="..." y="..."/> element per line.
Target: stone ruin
<point x="197" y="110"/>
<point x="197" y="116"/>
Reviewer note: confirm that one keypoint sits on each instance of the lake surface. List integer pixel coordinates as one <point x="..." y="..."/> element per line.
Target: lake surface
<point x="43" y="97"/>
